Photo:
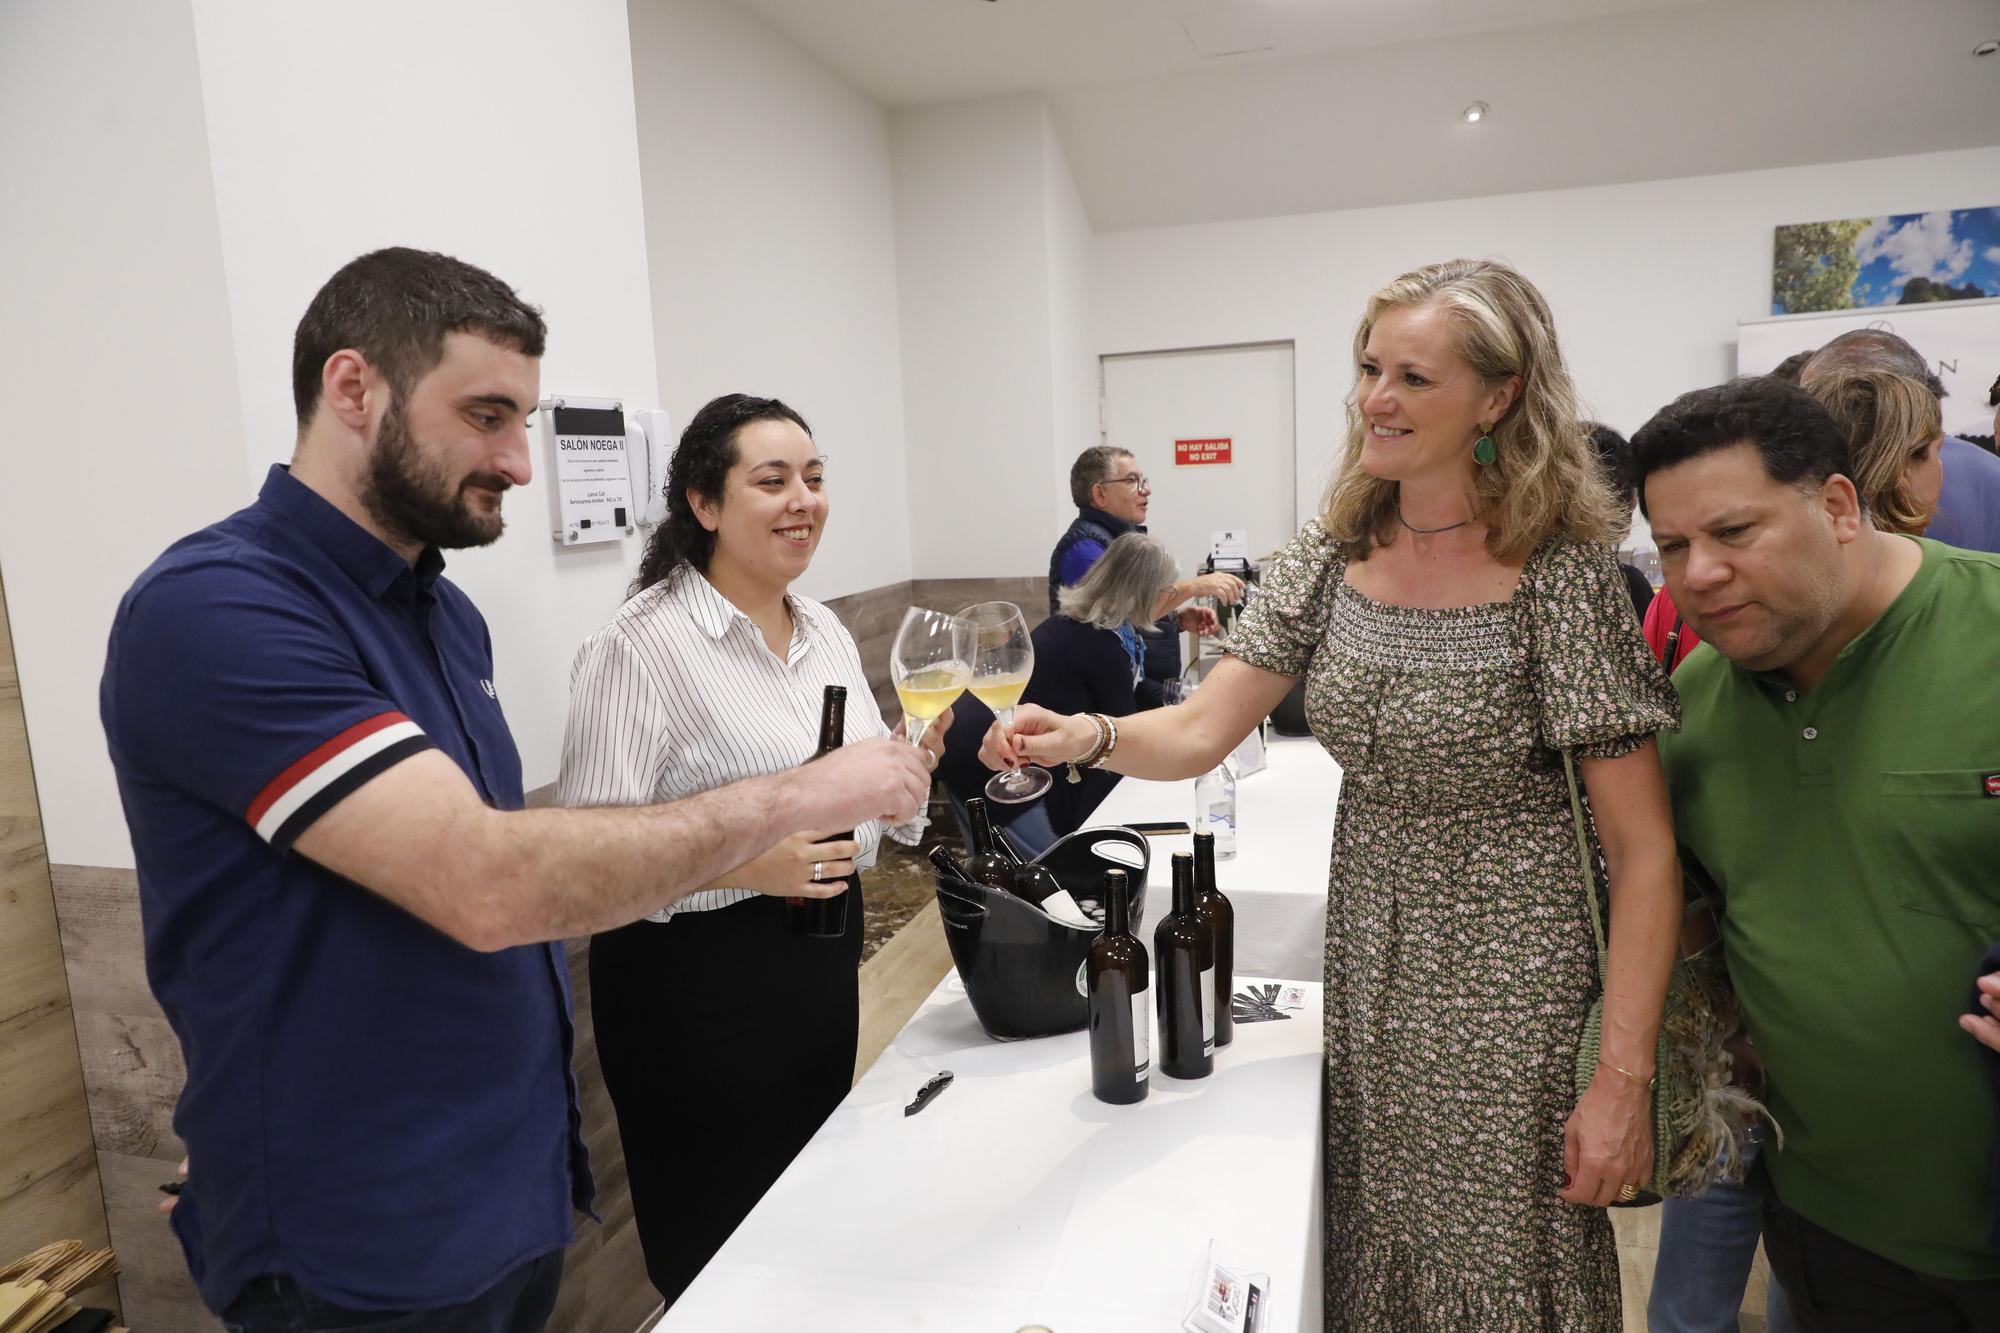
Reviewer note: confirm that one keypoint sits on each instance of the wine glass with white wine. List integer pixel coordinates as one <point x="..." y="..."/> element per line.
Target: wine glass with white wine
<point x="929" y="665"/>
<point x="1003" y="657"/>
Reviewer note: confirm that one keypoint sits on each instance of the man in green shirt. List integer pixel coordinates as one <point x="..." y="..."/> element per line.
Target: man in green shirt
<point x="1837" y="778"/>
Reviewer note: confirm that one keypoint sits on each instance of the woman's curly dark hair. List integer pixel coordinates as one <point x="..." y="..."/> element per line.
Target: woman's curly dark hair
<point x="701" y="464"/>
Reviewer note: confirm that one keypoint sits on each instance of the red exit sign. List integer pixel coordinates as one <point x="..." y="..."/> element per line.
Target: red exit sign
<point x="1196" y="453"/>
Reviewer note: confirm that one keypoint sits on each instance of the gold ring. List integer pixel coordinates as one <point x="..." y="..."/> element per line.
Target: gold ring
<point x="1627" y="1193"/>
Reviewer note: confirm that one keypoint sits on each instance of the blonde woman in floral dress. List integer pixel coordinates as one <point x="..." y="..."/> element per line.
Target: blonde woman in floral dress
<point x="1458" y="619"/>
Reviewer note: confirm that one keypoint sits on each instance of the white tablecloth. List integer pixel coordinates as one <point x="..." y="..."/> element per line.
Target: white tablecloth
<point x="1016" y="1197"/>
<point x="1284" y="836"/>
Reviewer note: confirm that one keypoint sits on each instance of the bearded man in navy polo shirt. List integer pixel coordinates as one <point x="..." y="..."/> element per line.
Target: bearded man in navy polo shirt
<point x="350" y="921"/>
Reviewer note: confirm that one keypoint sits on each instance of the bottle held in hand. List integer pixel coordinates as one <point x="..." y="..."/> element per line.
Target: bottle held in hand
<point x="1220" y="917"/>
<point x="1120" y="1052"/>
<point x="986" y="864"/>
<point x="826" y="917"/>
<point x="1185" y="996"/>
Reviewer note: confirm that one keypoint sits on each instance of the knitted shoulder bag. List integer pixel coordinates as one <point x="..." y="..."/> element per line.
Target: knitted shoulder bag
<point x="1701" y="1120"/>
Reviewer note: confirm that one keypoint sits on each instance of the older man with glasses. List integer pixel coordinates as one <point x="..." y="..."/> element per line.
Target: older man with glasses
<point x="1112" y="496"/>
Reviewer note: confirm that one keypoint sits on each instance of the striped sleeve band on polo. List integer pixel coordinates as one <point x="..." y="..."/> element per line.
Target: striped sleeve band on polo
<point x="317" y="781"/>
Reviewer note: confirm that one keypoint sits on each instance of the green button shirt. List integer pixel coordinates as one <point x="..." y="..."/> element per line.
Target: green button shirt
<point x="1856" y="843"/>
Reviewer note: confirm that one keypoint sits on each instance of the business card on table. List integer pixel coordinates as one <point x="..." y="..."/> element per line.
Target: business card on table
<point x="1226" y="1300"/>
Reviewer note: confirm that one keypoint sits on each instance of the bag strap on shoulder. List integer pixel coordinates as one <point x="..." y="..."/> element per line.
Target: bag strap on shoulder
<point x="1588" y="880"/>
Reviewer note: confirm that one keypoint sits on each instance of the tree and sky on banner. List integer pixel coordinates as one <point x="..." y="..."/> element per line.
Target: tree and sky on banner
<point x="1905" y="259"/>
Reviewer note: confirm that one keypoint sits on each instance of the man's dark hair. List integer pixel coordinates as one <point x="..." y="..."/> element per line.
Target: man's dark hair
<point x="701" y="464"/>
<point x="1875" y="349"/>
<point x="1993" y="394"/>
<point x="1792" y="366"/>
<point x="1794" y="436"/>
<point x="1611" y="451"/>
<point x="394" y="307"/>
<point x="1095" y="464"/>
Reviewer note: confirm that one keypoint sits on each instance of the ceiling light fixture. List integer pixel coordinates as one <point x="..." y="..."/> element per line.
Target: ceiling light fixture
<point x="1475" y="113"/>
<point x="1986" y="48"/>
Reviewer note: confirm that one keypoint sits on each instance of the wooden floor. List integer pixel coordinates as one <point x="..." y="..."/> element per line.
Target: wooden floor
<point x="896" y="980"/>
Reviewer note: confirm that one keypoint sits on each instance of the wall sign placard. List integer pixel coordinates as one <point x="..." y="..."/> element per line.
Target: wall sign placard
<point x="1203" y="453"/>
<point x="592" y="493"/>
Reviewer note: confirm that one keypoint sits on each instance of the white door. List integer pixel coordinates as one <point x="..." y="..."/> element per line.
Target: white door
<point x="1239" y="394"/>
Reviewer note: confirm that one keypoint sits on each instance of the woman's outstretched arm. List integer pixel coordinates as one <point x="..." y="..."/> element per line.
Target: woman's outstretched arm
<point x="1181" y="741"/>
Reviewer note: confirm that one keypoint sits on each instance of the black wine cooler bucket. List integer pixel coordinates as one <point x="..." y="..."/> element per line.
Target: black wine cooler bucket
<point x="1022" y="968"/>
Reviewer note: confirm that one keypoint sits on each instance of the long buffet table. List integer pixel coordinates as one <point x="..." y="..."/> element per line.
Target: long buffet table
<point x="1284" y="835"/>
<point x="1016" y="1198"/>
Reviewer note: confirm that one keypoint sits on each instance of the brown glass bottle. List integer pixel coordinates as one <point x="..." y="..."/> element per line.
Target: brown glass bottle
<point x="1119" y="1049"/>
<point x="1185" y="996"/>
<point x="985" y="863"/>
<point x="1221" y="920"/>
<point x="826" y="917"/>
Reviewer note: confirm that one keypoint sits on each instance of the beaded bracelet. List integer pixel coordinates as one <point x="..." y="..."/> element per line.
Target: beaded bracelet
<point x="1090" y="759"/>
<point x="1110" y="725"/>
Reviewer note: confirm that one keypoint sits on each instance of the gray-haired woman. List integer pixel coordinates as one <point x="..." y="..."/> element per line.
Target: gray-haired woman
<point x="1089" y="658"/>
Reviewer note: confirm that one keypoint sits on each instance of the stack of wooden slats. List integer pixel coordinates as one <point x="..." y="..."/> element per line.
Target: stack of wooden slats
<point x="35" y="1290"/>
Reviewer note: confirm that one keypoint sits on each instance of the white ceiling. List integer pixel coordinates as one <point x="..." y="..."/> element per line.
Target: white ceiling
<point x="916" y="52"/>
<point x="1353" y="103"/>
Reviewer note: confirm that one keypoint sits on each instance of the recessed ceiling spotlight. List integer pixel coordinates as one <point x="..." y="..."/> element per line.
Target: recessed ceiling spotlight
<point x="1475" y="113"/>
<point x="1986" y="48"/>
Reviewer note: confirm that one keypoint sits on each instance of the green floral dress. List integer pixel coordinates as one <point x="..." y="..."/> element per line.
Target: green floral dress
<point x="1459" y="954"/>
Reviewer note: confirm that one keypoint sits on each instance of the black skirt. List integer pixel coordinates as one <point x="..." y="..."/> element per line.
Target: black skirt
<point x="725" y="1043"/>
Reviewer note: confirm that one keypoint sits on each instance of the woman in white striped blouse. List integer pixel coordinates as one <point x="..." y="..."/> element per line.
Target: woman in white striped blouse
<point x="715" y="671"/>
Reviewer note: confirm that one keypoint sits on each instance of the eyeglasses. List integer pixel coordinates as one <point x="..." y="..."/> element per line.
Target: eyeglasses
<point x="1138" y="481"/>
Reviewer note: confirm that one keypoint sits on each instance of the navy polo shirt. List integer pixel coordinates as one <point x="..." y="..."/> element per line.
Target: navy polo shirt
<point x="375" y="1110"/>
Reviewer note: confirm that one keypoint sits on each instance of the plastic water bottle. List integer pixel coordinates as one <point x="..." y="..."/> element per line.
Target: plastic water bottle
<point x="1215" y="808"/>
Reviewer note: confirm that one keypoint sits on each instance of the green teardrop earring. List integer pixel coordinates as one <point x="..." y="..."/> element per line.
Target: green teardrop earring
<point x="1484" y="452"/>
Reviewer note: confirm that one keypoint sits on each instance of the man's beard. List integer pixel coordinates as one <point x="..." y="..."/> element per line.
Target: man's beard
<point x="408" y="494"/>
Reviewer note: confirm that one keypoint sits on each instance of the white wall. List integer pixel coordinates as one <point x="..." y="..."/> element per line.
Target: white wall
<point x="770" y="223"/>
<point x="212" y="165"/>
<point x="125" y="431"/>
<point x="994" y="359"/>
<point x="467" y="126"/>
<point x="1647" y="281"/>
<point x="1073" y="374"/>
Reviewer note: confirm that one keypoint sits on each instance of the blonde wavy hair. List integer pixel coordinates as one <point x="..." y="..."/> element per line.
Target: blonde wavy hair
<point x="1884" y="417"/>
<point x="1545" y="480"/>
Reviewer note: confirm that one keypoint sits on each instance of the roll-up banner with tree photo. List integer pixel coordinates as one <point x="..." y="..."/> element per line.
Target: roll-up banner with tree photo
<point x="1903" y="259"/>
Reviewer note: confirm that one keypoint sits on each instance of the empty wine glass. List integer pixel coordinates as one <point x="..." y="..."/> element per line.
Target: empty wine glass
<point x="930" y="665"/>
<point x="1003" y="657"/>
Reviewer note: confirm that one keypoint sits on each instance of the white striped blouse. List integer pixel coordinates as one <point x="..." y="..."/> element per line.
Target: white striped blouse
<point x="680" y="694"/>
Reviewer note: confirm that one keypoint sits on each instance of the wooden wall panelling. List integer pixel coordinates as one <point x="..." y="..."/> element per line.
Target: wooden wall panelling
<point x="49" y="1188"/>
<point x="874" y="616"/>
<point x="159" y="1295"/>
<point x="605" y="1288"/>
<point x="133" y="1073"/>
